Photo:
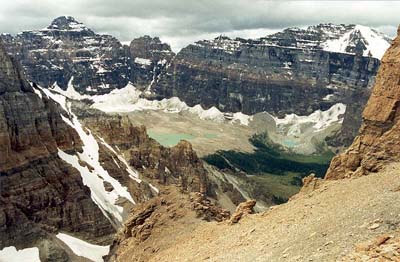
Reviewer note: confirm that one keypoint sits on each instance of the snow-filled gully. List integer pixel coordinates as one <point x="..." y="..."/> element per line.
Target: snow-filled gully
<point x="93" y="174"/>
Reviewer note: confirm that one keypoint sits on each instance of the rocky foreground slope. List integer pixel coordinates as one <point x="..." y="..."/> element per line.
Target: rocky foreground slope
<point x="323" y="224"/>
<point x="334" y="219"/>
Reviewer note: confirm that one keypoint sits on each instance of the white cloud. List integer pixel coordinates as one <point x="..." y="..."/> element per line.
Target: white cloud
<point x="183" y="21"/>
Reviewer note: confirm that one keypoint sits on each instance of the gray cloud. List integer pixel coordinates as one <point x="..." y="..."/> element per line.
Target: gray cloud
<point x="183" y="21"/>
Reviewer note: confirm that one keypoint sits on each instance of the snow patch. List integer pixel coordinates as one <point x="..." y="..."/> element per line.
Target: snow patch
<point x="84" y="249"/>
<point x="128" y="99"/>
<point x="94" y="176"/>
<point x="375" y="42"/>
<point x="38" y="93"/>
<point x="132" y="174"/>
<point x="143" y="61"/>
<point x="319" y="120"/>
<point x="11" y="254"/>
<point x="328" y="97"/>
<point x="242" y="118"/>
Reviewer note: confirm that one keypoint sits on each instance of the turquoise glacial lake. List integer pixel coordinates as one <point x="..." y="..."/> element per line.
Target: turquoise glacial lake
<point x="289" y="143"/>
<point x="172" y="139"/>
<point x="169" y="139"/>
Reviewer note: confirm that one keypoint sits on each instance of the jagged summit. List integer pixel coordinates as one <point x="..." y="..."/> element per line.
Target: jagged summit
<point x="359" y="38"/>
<point x="63" y="22"/>
<point x="67" y="23"/>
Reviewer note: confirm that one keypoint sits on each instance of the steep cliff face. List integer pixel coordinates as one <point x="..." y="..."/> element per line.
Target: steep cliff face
<point x="252" y="76"/>
<point x="67" y="51"/>
<point x="293" y="71"/>
<point x="39" y="193"/>
<point x="149" y="58"/>
<point x="61" y="172"/>
<point x="377" y="142"/>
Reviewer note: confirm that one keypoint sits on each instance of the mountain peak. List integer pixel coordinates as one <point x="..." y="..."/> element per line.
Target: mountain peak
<point x="67" y="23"/>
<point x="366" y="39"/>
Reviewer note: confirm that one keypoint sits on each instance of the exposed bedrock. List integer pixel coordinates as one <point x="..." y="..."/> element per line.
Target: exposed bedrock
<point x="378" y="139"/>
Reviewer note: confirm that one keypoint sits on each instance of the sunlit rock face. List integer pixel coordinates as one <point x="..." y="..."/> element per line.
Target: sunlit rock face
<point x="377" y="143"/>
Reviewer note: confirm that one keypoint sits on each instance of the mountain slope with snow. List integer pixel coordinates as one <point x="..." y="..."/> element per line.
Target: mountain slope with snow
<point x="370" y="42"/>
<point x="351" y="39"/>
<point x="98" y="63"/>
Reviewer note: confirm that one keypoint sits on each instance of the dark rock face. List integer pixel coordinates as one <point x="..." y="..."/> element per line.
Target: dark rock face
<point x="355" y="101"/>
<point x="288" y="72"/>
<point x="39" y="193"/>
<point x="236" y="75"/>
<point x="67" y="50"/>
<point x="149" y="58"/>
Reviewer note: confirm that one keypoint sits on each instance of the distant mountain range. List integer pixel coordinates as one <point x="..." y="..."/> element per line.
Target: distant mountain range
<point x="294" y="71"/>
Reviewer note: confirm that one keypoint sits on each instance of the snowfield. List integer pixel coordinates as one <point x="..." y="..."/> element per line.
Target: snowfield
<point x="318" y="121"/>
<point x="11" y="254"/>
<point x="84" y="249"/>
<point x="128" y="99"/>
<point x="375" y="42"/>
<point x="143" y="61"/>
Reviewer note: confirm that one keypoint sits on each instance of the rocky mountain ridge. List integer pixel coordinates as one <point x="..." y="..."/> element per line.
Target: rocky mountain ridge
<point x="98" y="64"/>
<point x="294" y="71"/>
<point x="353" y="39"/>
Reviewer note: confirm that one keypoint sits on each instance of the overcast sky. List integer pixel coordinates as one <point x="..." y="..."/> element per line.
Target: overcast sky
<point x="181" y="22"/>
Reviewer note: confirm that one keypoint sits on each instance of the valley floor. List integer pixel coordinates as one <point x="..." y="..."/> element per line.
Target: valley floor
<point x="206" y="136"/>
<point x="321" y="224"/>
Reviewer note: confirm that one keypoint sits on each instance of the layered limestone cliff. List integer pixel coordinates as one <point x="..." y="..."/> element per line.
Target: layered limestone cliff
<point x="50" y="148"/>
<point x="39" y="193"/>
<point x="377" y="142"/>
<point x="250" y="76"/>
<point x="281" y="74"/>
<point x="149" y="59"/>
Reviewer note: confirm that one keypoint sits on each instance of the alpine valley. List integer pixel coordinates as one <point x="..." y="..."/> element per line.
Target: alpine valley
<point x="110" y="152"/>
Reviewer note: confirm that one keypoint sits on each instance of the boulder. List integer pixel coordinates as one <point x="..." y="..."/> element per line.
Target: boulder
<point x="243" y="209"/>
